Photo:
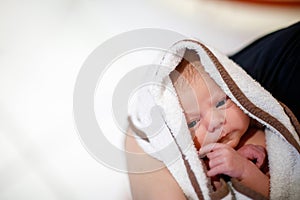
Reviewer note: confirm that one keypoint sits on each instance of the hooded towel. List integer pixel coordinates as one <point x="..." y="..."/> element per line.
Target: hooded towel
<point x="161" y="130"/>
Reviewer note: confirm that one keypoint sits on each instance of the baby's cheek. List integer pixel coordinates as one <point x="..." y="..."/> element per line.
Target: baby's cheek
<point x="198" y="137"/>
<point x="196" y="143"/>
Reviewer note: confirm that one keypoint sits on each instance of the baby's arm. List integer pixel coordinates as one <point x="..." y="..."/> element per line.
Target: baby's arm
<point x="223" y="159"/>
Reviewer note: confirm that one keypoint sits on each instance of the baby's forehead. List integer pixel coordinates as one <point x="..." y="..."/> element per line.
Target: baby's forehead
<point x="193" y="76"/>
<point x="192" y="73"/>
<point x="184" y="78"/>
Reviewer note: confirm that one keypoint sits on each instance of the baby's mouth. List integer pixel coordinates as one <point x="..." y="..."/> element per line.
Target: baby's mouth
<point x="213" y="137"/>
<point x="224" y="138"/>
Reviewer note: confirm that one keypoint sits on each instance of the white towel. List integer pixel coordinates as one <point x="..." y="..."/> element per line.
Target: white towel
<point x="159" y="117"/>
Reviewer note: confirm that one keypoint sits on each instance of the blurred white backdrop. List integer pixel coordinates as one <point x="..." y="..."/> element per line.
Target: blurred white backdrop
<point x="43" y="45"/>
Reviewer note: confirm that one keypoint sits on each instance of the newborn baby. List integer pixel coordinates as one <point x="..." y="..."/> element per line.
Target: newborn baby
<point x="232" y="143"/>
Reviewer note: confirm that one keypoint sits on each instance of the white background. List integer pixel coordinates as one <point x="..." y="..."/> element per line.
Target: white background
<point x="42" y="47"/>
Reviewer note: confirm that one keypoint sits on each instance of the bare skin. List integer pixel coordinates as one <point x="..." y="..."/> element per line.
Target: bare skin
<point x="158" y="184"/>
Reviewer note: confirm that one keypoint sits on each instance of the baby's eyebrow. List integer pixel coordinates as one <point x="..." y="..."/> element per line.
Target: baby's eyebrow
<point x="217" y="95"/>
<point x="191" y="116"/>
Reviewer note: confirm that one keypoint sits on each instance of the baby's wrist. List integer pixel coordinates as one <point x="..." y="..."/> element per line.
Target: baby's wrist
<point x="253" y="178"/>
<point x="249" y="168"/>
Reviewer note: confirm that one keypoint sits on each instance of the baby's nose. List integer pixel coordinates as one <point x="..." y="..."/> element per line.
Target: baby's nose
<point x="215" y="120"/>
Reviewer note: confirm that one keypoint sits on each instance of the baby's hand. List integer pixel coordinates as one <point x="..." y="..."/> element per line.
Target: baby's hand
<point x="255" y="153"/>
<point x="223" y="159"/>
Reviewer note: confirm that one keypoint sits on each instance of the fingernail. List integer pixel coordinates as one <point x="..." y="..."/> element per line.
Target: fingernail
<point x="201" y="153"/>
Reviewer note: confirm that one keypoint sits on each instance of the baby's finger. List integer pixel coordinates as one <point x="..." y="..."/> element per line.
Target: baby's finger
<point x="215" y="159"/>
<point x="210" y="147"/>
<point x="261" y="156"/>
<point x="218" y="169"/>
<point x="254" y="153"/>
<point x="206" y="149"/>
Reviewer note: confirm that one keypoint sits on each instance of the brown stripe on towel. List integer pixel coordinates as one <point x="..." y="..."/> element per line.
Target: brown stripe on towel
<point x="293" y="118"/>
<point x="221" y="192"/>
<point x="191" y="174"/>
<point x="246" y="191"/>
<point x="246" y="103"/>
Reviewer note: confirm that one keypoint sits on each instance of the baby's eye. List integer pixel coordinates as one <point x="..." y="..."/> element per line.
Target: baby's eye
<point x="222" y="102"/>
<point x="192" y="124"/>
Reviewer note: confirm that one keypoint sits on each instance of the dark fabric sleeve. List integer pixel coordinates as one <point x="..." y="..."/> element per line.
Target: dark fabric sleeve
<point x="274" y="61"/>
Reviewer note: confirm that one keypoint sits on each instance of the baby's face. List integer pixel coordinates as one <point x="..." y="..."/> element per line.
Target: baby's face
<point x="211" y="116"/>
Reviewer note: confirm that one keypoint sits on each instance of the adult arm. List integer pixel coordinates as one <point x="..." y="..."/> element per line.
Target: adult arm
<point x="155" y="184"/>
<point x="274" y="61"/>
